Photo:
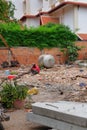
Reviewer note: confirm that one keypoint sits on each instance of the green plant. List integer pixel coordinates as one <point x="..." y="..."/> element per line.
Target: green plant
<point x="10" y="93"/>
<point x="71" y="52"/>
<point x="46" y="36"/>
<point x="6" y="10"/>
<point x="21" y="92"/>
<point x="13" y="72"/>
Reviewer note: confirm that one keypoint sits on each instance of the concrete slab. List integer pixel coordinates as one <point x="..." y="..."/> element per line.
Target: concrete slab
<point x="55" y="124"/>
<point x="69" y="112"/>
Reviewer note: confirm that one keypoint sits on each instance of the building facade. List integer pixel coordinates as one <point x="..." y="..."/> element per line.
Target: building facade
<point x="39" y="12"/>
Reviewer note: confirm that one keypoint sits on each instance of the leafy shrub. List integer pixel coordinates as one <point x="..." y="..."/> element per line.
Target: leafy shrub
<point x="46" y="36"/>
<point x="10" y="93"/>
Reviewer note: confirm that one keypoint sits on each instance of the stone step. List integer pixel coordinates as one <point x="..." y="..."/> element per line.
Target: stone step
<point x="53" y="123"/>
<point x="70" y="112"/>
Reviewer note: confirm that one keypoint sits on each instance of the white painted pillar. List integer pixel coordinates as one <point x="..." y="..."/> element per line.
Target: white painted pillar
<point x="75" y="18"/>
<point x="27" y="7"/>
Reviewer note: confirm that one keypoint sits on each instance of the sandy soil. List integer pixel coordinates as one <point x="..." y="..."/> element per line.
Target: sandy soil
<point x="18" y="122"/>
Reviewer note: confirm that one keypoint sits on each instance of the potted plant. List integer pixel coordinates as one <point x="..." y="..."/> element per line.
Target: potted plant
<point x="21" y="94"/>
<point x="13" y="95"/>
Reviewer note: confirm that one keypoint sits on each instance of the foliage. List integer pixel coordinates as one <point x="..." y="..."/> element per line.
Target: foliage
<point x="10" y="26"/>
<point x="21" y="91"/>
<point x="71" y="52"/>
<point x="13" y="73"/>
<point x="46" y="36"/>
<point x="42" y="37"/>
<point x="6" y="10"/>
<point x="10" y="93"/>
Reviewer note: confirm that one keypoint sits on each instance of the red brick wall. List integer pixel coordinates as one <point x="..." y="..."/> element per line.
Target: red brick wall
<point x="27" y="55"/>
<point x="83" y="51"/>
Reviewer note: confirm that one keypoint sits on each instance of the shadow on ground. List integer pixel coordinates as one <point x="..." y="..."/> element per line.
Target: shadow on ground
<point x="41" y="128"/>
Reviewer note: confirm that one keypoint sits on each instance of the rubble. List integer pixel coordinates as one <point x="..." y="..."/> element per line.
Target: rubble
<point x="62" y="82"/>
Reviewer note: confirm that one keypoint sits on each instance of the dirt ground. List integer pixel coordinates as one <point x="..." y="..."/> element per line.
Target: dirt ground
<point x="61" y="82"/>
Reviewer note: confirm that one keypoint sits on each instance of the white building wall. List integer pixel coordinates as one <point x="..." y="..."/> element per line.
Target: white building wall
<point x="45" y="5"/>
<point x="32" y="22"/>
<point x="82" y="20"/>
<point x="52" y="1"/>
<point x="85" y="1"/>
<point x="35" y="5"/>
<point x="67" y="17"/>
<point x="19" y="8"/>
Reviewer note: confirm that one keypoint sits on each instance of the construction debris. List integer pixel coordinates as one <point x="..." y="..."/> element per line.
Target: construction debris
<point x="33" y="91"/>
<point x="59" y="82"/>
<point x="12" y="62"/>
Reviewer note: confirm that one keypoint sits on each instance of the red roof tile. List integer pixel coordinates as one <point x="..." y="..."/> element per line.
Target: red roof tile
<point x="82" y="36"/>
<point x="48" y="19"/>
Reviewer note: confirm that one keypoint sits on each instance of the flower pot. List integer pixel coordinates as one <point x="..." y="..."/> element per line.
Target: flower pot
<point x="19" y="104"/>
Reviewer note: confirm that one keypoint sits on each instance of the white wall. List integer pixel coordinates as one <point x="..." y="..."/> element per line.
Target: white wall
<point x="45" y="5"/>
<point x="19" y="8"/>
<point x="67" y="18"/>
<point x="32" y="22"/>
<point x="35" y="5"/>
<point x="82" y="19"/>
<point x="85" y="1"/>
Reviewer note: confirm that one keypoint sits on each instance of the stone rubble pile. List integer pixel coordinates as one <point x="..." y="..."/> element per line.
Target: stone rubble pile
<point x="59" y="79"/>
